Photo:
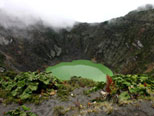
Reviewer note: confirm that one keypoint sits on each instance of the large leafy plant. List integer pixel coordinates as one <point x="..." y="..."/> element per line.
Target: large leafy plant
<point x="125" y="87"/>
<point x="24" y="84"/>
<point x="132" y="86"/>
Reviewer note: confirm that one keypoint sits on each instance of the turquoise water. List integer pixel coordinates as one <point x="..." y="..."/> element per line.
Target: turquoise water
<point x="83" y="68"/>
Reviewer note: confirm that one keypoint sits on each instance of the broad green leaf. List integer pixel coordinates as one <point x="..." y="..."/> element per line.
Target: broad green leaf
<point x="25" y="96"/>
<point x="33" y="86"/>
<point x="22" y="113"/>
<point x="25" y="108"/>
<point x="10" y="85"/>
<point x="45" y="80"/>
<point x="21" y="83"/>
<point x="14" y="93"/>
<point x="31" y="114"/>
<point x="143" y="78"/>
<point x="133" y="90"/>
<point x="127" y="83"/>
<point x="124" y="96"/>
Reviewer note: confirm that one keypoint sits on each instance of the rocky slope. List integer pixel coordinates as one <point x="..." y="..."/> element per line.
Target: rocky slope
<point x="125" y="44"/>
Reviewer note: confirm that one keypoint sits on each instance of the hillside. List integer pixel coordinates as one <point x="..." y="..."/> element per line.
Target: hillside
<point x="124" y="44"/>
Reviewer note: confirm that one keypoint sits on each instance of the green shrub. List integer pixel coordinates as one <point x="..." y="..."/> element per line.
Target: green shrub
<point x="23" y="85"/>
<point x="133" y="85"/>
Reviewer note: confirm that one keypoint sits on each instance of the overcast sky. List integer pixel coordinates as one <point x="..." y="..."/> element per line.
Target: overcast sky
<point x="68" y="11"/>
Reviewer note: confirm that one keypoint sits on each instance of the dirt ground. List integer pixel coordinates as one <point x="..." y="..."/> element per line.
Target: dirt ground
<point x="80" y="104"/>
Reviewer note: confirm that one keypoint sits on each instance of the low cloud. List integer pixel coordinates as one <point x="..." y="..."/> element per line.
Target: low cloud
<point x="16" y="14"/>
<point x="64" y="13"/>
<point x="145" y="7"/>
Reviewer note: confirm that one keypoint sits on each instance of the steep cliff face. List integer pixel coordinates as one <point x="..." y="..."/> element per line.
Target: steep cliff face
<point x="125" y="44"/>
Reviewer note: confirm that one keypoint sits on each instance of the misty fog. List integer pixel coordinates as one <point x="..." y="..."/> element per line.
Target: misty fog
<point x="62" y="14"/>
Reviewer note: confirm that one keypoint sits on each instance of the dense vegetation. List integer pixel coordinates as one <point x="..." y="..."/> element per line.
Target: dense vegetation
<point x="36" y="86"/>
<point x="128" y="87"/>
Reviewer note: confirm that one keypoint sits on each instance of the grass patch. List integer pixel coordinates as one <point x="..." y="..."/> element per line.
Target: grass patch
<point x="21" y="111"/>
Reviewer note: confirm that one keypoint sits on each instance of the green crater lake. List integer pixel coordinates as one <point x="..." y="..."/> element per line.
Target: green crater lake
<point x="80" y="68"/>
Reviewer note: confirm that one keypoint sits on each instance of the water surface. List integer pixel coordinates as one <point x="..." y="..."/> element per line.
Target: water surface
<point x="83" y="68"/>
